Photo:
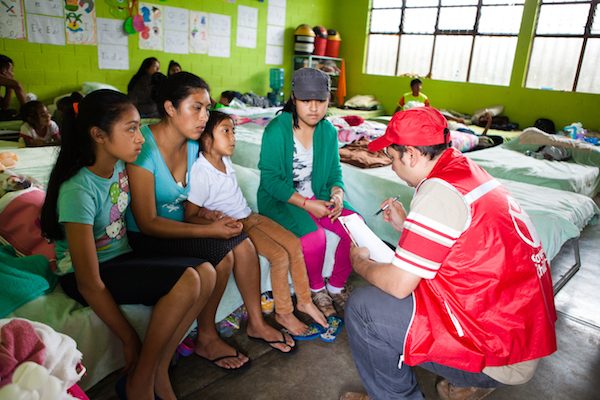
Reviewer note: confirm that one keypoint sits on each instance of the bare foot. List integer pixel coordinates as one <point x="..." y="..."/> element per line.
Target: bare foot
<point x="213" y="348"/>
<point x="314" y="312"/>
<point x="162" y="386"/>
<point x="266" y="332"/>
<point x="291" y="323"/>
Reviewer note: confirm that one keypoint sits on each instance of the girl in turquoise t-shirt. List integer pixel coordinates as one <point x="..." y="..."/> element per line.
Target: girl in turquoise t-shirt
<point x="87" y="196"/>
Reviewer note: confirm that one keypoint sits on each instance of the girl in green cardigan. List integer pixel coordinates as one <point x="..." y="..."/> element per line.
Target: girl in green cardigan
<point x="301" y="185"/>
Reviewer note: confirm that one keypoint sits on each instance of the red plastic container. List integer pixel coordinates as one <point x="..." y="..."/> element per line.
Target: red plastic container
<point x="320" y="46"/>
<point x="320" y="40"/>
<point x="333" y="44"/>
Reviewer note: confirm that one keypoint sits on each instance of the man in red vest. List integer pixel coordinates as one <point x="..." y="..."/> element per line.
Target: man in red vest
<point x="468" y="294"/>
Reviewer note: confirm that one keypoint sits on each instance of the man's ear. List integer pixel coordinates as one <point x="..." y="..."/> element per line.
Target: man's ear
<point x="98" y="135"/>
<point x="413" y="154"/>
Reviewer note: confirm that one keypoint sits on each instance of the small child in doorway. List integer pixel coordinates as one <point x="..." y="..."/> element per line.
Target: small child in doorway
<point x="38" y="129"/>
<point x="414" y="98"/>
<point x="215" y="193"/>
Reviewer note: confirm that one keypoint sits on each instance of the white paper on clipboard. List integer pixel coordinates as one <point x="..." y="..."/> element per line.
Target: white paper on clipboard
<point x="363" y="236"/>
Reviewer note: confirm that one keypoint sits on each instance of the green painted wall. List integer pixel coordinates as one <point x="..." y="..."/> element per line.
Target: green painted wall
<point x="521" y="105"/>
<point x="50" y="70"/>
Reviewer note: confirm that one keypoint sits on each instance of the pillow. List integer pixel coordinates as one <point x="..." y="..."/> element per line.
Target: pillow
<point x="20" y="223"/>
<point x="89" y="87"/>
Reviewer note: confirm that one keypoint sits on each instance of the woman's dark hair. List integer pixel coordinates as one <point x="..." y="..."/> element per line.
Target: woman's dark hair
<point x="156" y="81"/>
<point x="290" y="107"/>
<point x="147" y="63"/>
<point x="231" y="94"/>
<point x="30" y="111"/>
<point x="172" y="64"/>
<point x="215" y="118"/>
<point x="5" y="61"/>
<point x="176" y="88"/>
<point x="102" y="109"/>
<point x="430" y="151"/>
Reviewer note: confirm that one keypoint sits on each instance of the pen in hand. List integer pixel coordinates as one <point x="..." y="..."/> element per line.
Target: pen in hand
<point x="382" y="209"/>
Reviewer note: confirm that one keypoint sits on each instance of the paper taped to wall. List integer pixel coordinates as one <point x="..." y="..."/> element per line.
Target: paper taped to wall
<point x="363" y="236"/>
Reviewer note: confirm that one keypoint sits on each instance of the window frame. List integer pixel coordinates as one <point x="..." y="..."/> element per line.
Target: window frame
<point x="473" y="33"/>
<point x="587" y="34"/>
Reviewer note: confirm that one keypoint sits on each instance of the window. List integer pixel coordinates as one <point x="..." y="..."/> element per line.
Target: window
<point x="455" y="40"/>
<point x="566" y="47"/>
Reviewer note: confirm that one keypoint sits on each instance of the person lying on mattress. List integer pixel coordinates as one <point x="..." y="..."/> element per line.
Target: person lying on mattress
<point x="468" y="294"/>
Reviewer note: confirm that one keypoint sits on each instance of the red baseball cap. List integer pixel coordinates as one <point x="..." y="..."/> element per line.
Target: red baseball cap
<point x="419" y="126"/>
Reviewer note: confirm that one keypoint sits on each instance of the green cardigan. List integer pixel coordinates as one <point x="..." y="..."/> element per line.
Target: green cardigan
<point x="276" y="172"/>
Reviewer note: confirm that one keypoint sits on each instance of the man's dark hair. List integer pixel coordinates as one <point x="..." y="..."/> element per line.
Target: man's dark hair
<point x="416" y="81"/>
<point x="5" y="61"/>
<point x="430" y="151"/>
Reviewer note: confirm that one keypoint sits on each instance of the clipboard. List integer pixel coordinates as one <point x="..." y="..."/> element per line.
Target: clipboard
<point x="362" y="236"/>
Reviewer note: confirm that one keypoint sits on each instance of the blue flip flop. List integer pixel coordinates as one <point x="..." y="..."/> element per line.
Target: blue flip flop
<point x="335" y="327"/>
<point x="314" y="331"/>
<point x="120" y="389"/>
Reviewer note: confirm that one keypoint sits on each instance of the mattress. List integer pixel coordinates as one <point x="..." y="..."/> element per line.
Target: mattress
<point x="557" y="215"/>
<point x="508" y="164"/>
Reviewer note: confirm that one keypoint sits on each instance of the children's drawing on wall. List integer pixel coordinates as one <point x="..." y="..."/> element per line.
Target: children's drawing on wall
<point x="12" y="24"/>
<point x="113" y="52"/>
<point x="45" y="30"/>
<point x="54" y="8"/>
<point x="80" y="21"/>
<point x="219" y="35"/>
<point x="198" y="32"/>
<point x="151" y="38"/>
<point x="176" y="23"/>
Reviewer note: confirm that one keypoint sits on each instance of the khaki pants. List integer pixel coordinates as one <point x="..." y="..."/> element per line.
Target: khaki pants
<point x="283" y="250"/>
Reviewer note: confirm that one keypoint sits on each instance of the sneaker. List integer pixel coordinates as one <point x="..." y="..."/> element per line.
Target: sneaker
<point x="354" y="396"/>
<point x="448" y="391"/>
<point x="341" y="298"/>
<point x="323" y="302"/>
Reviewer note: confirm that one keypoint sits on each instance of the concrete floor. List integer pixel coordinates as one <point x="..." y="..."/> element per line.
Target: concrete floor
<point x="319" y="370"/>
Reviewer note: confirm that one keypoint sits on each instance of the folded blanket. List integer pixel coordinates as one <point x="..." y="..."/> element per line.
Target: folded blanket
<point x="18" y="343"/>
<point x="23" y="279"/>
<point x="358" y="154"/>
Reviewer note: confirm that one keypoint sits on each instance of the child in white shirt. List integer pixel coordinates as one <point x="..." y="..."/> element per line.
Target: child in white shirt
<point x="215" y="193"/>
<point x="38" y="129"/>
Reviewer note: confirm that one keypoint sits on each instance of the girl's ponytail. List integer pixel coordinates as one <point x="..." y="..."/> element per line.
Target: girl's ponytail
<point x="101" y="108"/>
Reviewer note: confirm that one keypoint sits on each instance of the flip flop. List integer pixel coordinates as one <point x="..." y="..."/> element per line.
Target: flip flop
<point x="272" y="342"/>
<point x="313" y="332"/>
<point x="121" y="391"/>
<point x="335" y="327"/>
<point x="214" y="361"/>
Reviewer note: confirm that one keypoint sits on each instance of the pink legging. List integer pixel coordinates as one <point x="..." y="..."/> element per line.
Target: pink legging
<point x="313" y="247"/>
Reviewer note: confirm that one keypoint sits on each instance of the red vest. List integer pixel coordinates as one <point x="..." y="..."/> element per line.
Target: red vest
<point x="491" y="302"/>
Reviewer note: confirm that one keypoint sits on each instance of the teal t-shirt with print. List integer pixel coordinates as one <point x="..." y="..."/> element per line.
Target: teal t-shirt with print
<point x="168" y="194"/>
<point x="89" y="199"/>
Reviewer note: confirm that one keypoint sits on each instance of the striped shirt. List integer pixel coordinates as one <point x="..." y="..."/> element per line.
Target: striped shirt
<point x="438" y="215"/>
